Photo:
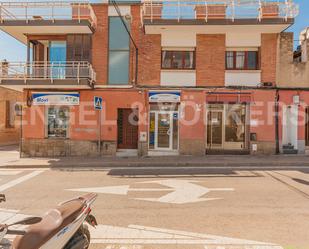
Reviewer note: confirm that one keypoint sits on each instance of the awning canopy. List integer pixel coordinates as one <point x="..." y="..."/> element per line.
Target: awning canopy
<point x="228" y="97"/>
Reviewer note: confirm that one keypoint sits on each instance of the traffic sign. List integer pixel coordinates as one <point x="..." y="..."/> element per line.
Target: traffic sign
<point x="98" y="103"/>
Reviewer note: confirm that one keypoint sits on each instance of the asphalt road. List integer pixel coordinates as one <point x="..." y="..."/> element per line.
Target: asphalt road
<point x="144" y="208"/>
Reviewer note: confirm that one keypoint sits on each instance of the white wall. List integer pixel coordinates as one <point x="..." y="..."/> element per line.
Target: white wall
<point x="125" y="10"/>
<point x="243" y="78"/>
<point x="178" y="78"/>
<point x="178" y="39"/>
<point x="243" y="39"/>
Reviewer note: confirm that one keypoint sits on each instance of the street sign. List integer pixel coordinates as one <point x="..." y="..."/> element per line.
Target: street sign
<point x="98" y="103"/>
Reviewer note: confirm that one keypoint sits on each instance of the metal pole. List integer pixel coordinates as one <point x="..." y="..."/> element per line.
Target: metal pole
<point x="277" y="122"/>
<point x="21" y="132"/>
<point x="100" y="123"/>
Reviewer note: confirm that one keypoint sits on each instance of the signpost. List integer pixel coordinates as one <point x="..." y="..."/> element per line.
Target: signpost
<point x="97" y="101"/>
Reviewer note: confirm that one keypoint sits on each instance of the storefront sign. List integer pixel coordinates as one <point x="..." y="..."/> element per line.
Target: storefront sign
<point x="164" y="97"/>
<point x="56" y="98"/>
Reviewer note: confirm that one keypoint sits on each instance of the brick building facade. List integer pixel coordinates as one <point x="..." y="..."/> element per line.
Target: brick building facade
<point x="204" y="82"/>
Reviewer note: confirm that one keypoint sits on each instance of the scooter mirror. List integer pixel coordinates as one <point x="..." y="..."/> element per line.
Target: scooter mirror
<point x="27" y="221"/>
<point x="2" y="198"/>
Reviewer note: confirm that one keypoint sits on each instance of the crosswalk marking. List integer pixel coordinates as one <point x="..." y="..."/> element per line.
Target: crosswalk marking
<point x="19" y="180"/>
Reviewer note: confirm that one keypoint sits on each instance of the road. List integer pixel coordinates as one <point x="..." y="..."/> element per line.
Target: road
<point x="159" y="208"/>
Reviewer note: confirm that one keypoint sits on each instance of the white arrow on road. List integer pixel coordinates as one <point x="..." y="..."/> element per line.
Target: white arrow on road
<point x="182" y="191"/>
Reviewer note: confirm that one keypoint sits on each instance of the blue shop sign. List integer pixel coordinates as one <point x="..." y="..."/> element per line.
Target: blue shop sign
<point x="56" y="98"/>
<point x="164" y="97"/>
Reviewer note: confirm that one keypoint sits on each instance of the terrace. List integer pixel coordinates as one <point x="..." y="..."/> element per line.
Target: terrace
<point x="19" y="18"/>
<point x="45" y="74"/>
<point x="230" y="12"/>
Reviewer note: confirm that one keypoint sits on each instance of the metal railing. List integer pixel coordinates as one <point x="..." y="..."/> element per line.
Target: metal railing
<point x="218" y="9"/>
<point x="52" y="11"/>
<point x="72" y="70"/>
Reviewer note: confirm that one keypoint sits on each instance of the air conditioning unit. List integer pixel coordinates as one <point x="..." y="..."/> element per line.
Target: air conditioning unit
<point x="267" y="84"/>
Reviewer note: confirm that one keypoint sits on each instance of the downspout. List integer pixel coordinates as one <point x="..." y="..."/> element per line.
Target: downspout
<point x="277" y="97"/>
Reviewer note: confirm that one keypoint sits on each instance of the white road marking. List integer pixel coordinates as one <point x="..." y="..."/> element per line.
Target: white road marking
<point x="19" y="180"/>
<point x="182" y="191"/>
<point x="9" y="172"/>
<point x="138" y="235"/>
<point x="141" y="235"/>
<point x="118" y="190"/>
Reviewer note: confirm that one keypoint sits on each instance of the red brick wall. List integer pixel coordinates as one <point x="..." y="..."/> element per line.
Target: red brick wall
<point x="210" y="60"/>
<point x="149" y="57"/>
<point x="150" y="60"/>
<point x="268" y="57"/>
<point x="136" y="29"/>
<point x="100" y="43"/>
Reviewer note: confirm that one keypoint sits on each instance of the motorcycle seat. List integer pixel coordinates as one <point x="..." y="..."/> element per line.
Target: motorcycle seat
<point x="52" y="222"/>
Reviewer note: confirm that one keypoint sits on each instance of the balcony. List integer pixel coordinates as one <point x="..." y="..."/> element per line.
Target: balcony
<point x="19" y="18"/>
<point x="75" y="74"/>
<point x="218" y="12"/>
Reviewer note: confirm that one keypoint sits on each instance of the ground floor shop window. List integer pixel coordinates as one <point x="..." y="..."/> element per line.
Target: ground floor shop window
<point x="235" y="123"/>
<point x="226" y="126"/>
<point x="58" y="122"/>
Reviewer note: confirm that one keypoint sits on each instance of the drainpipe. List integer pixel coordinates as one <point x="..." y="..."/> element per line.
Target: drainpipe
<point x="277" y="121"/>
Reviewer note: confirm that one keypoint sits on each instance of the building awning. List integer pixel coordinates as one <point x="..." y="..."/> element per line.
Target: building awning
<point x="228" y="97"/>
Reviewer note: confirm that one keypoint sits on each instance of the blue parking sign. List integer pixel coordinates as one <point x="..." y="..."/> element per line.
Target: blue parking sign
<point x="98" y="103"/>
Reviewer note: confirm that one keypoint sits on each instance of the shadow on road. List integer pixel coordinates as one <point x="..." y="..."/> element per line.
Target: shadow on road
<point x="179" y="172"/>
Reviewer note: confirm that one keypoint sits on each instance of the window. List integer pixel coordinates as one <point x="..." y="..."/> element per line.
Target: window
<point x="119" y="52"/>
<point x="241" y="60"/>
<point x="178" y="60"/>
<point x="57" y="51"/>
<point x="235" y="118"/>
<point x="58" y="119"/>
<point x="9" y="114"/>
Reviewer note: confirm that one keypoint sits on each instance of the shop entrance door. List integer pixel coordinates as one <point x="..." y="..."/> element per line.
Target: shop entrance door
<point x="214" y="129"/>
<point x="165" y="130"/>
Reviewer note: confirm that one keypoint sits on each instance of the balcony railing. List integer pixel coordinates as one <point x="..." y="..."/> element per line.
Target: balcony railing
<point x="51" y="11"/>
<point x="52" y="71"/>
<point x="218" y="9"/>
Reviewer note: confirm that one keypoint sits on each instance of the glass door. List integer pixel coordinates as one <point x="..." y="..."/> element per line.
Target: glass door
<point x="214" y="129"/>
<point x="57" y="58"/>
<point x="164" y="130"/>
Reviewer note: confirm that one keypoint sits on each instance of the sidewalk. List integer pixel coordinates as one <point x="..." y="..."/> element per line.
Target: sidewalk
<point x="243" y="161"/>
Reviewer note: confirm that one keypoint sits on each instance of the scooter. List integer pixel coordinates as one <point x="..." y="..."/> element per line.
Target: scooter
<point x="5" y="229"/>
<point x="60" y="228"/>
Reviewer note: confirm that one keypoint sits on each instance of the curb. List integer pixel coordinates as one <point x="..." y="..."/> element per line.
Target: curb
<point x="188" y="165"/>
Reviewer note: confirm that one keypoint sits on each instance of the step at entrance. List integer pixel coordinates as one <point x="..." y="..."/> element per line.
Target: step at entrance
<point x="289" y="149"/>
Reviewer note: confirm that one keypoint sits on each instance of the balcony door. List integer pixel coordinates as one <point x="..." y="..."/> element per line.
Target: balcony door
<point x="57" y="58"/>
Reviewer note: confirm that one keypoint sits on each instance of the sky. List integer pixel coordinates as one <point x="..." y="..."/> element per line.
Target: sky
<point x="12" y="50"/>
